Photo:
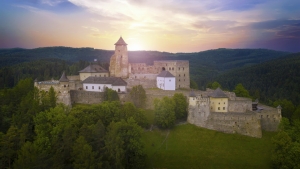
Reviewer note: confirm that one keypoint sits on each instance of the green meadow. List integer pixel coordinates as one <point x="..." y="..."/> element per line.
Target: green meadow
<point x="189" y="146"/>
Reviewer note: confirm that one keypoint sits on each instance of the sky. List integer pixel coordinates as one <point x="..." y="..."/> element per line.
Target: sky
<point x="160" y="25"/>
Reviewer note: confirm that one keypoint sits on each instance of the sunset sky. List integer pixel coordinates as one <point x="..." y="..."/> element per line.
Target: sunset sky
<point x="162" y="25"/>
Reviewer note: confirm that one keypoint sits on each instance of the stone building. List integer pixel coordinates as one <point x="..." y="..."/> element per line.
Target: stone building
<point x="93" y="70"/>
<point x="227" y="113"/>
<point x="141" y="73"/>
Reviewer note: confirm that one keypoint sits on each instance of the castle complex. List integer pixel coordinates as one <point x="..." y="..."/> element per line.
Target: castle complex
<point x="216" y="110"/>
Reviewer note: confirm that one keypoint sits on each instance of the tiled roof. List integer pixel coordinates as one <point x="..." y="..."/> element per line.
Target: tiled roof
<point x="165" y="74"/>
<point x="121" y="42"/>
<point x="114" y="81"/>
<point x="192" y="93"/>
<point x="93" y="69"/>
<point x="63" y="78"/>
<point x="218" y="93"/>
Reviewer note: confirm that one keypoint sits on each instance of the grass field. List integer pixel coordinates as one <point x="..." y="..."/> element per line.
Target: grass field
<point x="188" y="146"/>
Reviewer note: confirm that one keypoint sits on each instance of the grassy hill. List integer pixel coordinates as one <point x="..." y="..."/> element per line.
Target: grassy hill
<point x="188" y="146"/>
<point x="272" y="80"/>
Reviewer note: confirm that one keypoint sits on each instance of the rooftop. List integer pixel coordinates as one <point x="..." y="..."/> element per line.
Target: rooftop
<point x="93" y="69"/>
<point x="165" y="74"/>
<point x="114" y="81"/>
<point x="218" y="93"/>
<point x="121" y="42"/>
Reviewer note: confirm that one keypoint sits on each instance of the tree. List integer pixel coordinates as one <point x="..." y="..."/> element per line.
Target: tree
<point x="110" y="95"/>
<point x="288" y="107"/>
<point x="83" y="156"/>
<point x="213" y="85"/>
<point x="164" y="112"/>
<point x="181" y="105"/>
<point x="193" y="84"/>
<point x="138" y="96"/>
<point x="124" y="145"/>
<point x="240" y="91"/>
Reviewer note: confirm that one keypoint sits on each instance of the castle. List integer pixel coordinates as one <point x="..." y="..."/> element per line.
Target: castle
<point x="216" y="110"/>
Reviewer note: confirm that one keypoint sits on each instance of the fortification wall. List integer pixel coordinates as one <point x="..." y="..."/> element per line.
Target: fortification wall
<point x="246" y="124"/>
<point x="142" y="76"/>
<point x="74" y="78"/>
<point x="240" y="105"/>
<point x="270" y="119"/>
<point x="86" y="97"/>
<point x="146" y="83"/>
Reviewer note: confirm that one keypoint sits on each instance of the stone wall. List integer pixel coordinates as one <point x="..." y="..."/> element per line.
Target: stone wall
<point x="240" y="105"/>
<point x="246" y="124"/>
<point x="270" y="119"/>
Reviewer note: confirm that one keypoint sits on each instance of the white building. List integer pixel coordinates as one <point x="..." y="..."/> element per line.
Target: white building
<point x="166" y="81"/>
<point x="98" y="84"/>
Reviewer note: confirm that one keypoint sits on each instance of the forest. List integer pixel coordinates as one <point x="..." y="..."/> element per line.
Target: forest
<point x="36" y="132"/>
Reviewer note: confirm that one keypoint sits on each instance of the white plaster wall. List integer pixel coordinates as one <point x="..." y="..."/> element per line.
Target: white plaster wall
<point x="169" y="83"/>
<point x="83" y="76"/>
<point x="122" y="88"/>
<point x="89" y="87"/>
<point x="160" y="83"/>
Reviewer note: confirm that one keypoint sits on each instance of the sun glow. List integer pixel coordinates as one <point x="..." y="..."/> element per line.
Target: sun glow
<point x="135" y="46"/>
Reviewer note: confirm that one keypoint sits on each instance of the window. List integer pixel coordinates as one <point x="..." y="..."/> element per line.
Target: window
<point x="169" y="68"/>
<point x="99" y="87"/>
<point x="184" y="75"/>
<point x="64" y="85"/>
<point x="92" y="87"/>
<point x="119" y="90"/>
<point x="219" y="102"/>
<point x="183" y="68"/>
<point x="169" y="80"/>
<point x="223" y="108"/>
<point x="179" y="80"/>
<point x="104" y="75"/>
<point x="86" y="87"/>
<point x="179" y="75"/>
<point x="172" y="68"/>
<point x="218" y="108"/>
<point x="224" y="102"/>
<point x="179" y="68"/>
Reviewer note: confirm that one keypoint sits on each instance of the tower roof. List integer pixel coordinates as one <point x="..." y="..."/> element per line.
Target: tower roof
<point x="63" y="78"/>
<point x="218" y="93"/>
<point x="121" y="42"/>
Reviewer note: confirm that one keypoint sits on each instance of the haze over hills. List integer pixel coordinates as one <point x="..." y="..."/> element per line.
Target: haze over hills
<point x="204" y="66"/>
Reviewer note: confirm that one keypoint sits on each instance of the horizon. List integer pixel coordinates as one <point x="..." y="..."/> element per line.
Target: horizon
<point x="147" y="50"/>
<point x="173" y="26"/>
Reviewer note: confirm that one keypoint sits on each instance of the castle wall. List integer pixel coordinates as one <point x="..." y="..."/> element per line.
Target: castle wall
<point x="270" y="119"/>
<point x="143" y="76"/>
<point x="86" y="97"/>
<point x="246" y="124"/>
<point x="74" y="78"/>
<point x="240" y="105"/>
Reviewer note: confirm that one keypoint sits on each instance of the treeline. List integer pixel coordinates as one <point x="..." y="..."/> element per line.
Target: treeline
<point x="38" y="133"/>
<point x="278" y="79"/>
<point x="44" y="69"/>
<point x="204" y="66"/>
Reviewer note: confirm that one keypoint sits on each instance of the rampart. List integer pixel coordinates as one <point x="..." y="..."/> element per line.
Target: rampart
<point x="240" y="105"/>
<point x="246" y="124"/>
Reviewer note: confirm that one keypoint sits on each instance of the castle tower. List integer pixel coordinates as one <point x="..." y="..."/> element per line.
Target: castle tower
<point x="118" y="66"/>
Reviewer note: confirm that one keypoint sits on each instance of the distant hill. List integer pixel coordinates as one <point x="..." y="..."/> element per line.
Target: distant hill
<point x="204" y="66"/>
<point x="272" y="80"/>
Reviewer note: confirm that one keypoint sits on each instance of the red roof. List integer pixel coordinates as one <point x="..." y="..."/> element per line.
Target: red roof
<point x="121" y="42"/>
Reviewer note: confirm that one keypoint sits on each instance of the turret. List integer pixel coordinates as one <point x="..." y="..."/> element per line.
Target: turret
<point x="192" y="98"/>
<point x="279" y="109"/>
